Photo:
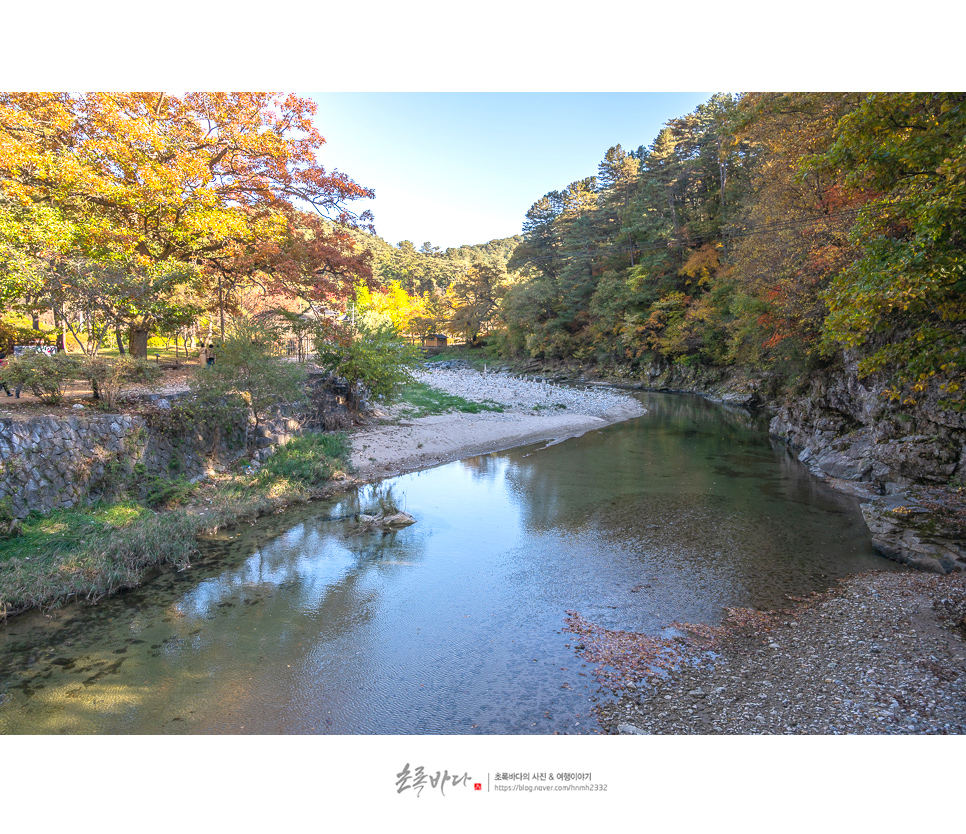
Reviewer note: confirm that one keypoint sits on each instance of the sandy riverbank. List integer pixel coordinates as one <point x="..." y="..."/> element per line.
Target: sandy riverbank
<point x="533" y="411"/>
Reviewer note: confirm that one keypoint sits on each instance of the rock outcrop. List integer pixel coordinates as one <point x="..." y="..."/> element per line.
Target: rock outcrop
<point x="846" y="429"/>
<point x="906" y="531"/>
<point x="848" y="432"/>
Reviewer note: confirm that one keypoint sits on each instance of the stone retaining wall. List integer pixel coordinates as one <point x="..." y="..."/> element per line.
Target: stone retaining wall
<point x="51" y="462"/>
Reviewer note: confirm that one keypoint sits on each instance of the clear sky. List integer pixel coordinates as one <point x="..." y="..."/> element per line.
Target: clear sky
<point x="463" y="168"/>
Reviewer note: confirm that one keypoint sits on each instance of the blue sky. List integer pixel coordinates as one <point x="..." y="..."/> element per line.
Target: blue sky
<point x="463" y="168"/>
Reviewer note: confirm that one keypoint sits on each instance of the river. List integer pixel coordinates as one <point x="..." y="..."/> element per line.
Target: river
<point x="454" y="625"/>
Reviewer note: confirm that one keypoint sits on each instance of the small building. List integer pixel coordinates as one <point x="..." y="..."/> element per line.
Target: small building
<point x="435" y="340"/>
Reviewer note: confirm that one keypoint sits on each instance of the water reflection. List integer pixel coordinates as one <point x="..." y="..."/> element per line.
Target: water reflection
<point x="454" y="625"/>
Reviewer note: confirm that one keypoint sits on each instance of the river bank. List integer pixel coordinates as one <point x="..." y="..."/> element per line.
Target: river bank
<point x="531" y="411"/>
<point x="84" y="555"/>
<point x="880" y="654"/>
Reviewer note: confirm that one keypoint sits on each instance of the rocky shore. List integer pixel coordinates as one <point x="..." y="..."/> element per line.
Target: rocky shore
<point x="881" y="654"/>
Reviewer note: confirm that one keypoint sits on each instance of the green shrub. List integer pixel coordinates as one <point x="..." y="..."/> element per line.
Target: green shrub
<point x="372" y="358"/>
<point x="107" y="376"/>
<point x="46" y="377"/>
<point x="310" y="460"/>
<point x="246" y="367"/>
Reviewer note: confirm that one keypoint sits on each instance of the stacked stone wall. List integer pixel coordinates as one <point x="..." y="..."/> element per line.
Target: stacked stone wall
<point x="53" y="462"/>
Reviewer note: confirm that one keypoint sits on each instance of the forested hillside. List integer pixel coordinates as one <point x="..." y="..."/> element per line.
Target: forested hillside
<point x="771" y="231"/>
<point x="456" y="291"/>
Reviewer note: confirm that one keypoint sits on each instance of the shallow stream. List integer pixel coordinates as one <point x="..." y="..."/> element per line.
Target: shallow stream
<point x="299" y="624"/>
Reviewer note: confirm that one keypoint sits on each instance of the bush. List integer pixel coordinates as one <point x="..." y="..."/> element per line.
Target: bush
<point x="46" y="377"/>
<point x="310" y="460"/>
<point x="106" y="376"/>
<point x="246" y="366"/>
<point x="372" y="359"/>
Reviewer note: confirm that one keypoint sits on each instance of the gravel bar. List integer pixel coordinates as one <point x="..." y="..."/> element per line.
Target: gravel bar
<point x="526" y="395"/>
<point x="879" y="654"/>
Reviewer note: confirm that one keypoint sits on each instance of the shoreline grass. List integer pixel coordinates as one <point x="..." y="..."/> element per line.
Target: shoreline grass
<point x="89" y="553"/>
<point x="421" y="400"/>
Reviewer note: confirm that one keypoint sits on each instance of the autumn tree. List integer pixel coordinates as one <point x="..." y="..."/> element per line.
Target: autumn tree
<point x="902" y="301"/>
<point x="109" y="295"/>
<point x="152" y="178"/>
<point x="35" y="238"/>
<point x="391" y="305"/>
<point x="792" y="237"/>
<point x="474" y="298"/>
<point x="291" y="255"/>
<point x="432" y="315"/>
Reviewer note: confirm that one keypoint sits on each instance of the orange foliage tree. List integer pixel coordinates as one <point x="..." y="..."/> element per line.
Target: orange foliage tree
<point x="150" y="178"/>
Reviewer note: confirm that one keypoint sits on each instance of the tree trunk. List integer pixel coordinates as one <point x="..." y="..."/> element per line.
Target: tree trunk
<point x="137" y="342"/>
<point x="221" y="308"/>
<point x="59" y="326"/>
<point x="120" y="340"/>
<point x="674" y="214"/>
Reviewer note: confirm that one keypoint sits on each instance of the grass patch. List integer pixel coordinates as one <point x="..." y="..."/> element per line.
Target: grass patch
<point x="93" y="552"/>
<point x="423" y="401"/>
<point x="309" y="460"/>
<point x="87" y="553"/>
<point x="474" y="356"/>
<point x="49" y="536"/>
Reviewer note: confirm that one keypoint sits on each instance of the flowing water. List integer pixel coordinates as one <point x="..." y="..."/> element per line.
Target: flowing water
<point x="301" y="624"/>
